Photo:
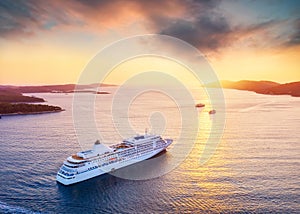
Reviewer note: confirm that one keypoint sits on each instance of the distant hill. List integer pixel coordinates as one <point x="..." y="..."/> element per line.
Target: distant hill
<point x="10" y="96"/>
<point x="25" y="108"/>
<point x="292" y="89"/>
<point x="15" y="103"/>
<point x="261" y="87"/>
<point x="12" y="101"/>
<point x="51" y="88"/>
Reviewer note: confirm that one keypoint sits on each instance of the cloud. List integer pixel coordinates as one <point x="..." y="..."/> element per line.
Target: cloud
<point x="204" y="33"/>
<point x="13" y="15"/>
<point x="294" y="38"/>
<point x="201" y="23"/>
<point x="23" y="18"/>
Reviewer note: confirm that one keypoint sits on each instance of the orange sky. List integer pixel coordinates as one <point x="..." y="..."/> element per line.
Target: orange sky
<point x="257" y="42"/>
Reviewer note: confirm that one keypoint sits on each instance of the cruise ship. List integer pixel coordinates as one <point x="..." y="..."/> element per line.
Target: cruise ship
<point x="103" y="159"/>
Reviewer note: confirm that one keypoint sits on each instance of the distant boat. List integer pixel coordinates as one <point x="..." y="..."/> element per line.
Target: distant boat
<point x="212" y="111"/>
<point x="102" y="92"/>
<point x="199" y="105"/>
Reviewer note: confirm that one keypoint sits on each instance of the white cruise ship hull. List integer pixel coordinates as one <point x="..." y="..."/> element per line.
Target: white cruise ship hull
<point x="105" y="169"/>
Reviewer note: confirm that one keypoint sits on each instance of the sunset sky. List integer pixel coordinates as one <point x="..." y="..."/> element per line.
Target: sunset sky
<point x="50" y="42"/>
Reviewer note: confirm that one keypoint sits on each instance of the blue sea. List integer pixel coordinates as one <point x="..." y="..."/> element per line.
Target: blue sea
<point x="254" y="169"/>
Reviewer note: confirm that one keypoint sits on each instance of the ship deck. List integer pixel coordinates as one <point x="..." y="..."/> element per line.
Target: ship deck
<point x="121" y="146"/>
<point x="76" y="157"/>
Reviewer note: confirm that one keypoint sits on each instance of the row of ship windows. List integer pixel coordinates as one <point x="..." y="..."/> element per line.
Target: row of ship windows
<point x="145" y="145"/>
<point x="66" y="169"/>
<point x="89" y="169"/>
<point x="144" y="151"/>
<point x="140" y="149"/>
<point x="107" y="163"/>
<point x="130" y="151"/>
<point x="127" y="153"/>
<point x="69" y="172"/>
<point x="137" y="155"/>
<point x="76" y="166"/>
<point x="65" y="173"/>
<point x="107" y="158"/>
<point x="144" y="148"/>
<point x="159" y="145"/>
<point x="160" y="141"/>
<point x="125" y="157"/>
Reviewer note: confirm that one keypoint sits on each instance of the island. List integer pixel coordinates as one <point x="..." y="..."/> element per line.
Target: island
<point x="15" y="103"/>
<point x="11" y="96"/>
<point x="25" y="108"/>
<point x="260" y="87"/>
<point x="66" y="88"/>
<point x="12" y="100"/>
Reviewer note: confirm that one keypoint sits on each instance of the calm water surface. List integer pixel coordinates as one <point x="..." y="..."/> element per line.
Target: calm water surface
<point x="256" y="167"/>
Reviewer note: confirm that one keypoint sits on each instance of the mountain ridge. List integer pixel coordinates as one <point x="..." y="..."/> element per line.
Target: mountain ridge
<point x="51" y="88"/>
<point x="260" y="87"/>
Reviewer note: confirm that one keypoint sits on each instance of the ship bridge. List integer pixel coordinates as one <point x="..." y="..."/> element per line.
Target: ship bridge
<point x="98" y="149"/>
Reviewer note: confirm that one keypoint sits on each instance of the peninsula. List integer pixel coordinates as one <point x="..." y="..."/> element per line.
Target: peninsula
<point x="24" y="108"/>
<point x="10" y="96"/>
<point x="15" y="103"/>
<point x="260" y="87"/>
<point x="66" y="88"/>
<point x="12" y="100"/>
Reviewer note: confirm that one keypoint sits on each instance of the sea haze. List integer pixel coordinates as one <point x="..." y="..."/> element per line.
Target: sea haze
<point x="255" y="168"/>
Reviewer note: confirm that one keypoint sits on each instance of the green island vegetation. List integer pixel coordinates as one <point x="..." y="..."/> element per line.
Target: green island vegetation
<point x="24" y="108"/>
<point x="10" y="96"/>
<point x="13" y="102"/>
<point x="260" y="87"/>
<point x="67" y="88"/>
